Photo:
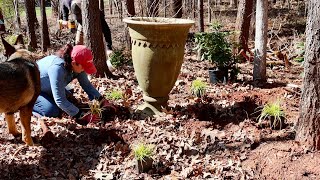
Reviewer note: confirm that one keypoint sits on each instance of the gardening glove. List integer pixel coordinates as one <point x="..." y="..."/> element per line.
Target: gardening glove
<point x="108" y="110"/>
<point x="106" y="104"/>
<point x="86" y="118"/>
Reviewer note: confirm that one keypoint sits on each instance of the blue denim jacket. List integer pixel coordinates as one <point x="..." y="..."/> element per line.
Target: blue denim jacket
<point x="54" y="78"/>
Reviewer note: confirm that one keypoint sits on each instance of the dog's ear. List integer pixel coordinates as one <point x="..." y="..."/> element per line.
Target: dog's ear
<point x="9" y="50"/>
<point x="19" y="40"/>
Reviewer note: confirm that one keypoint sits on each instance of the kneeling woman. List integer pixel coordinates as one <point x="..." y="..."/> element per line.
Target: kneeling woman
<point x="56" y="72"/>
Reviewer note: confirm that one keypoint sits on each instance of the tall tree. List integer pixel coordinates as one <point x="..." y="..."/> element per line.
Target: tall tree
<point x="233" y="3"/>
<point x="200" y="16"/>
<point x="17" y="14"/>
<point x="243" y="23"/>
<point x="101" y="6"/>
<point x="55" y="8"/>
<point x="110" y="7"/>
<point x="308" y="125"/>
<point x="92" y="31"/>
<point x="31" y="21"/>
<point x="130" y="8"/>
<point x="153" y="8"/>
<point x="259" y="68"/>
<point x="177" y="8"/>
<point x="209" y="12"/>
<point x="45" y="40"/>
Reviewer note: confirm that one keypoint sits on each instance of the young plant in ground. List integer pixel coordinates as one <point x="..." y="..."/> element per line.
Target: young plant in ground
<point x="272" y="112"/>
<point x="114" y="95"/>
<point x="143" y="151"/>
<point x="198" y="88"/>
<point x="95" y="107"/>
<point x="117" y="58"/>
<point x="300" y="51"/>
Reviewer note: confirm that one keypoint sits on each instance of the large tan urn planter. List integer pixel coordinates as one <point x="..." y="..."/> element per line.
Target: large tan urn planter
<point x="157" y="54"/>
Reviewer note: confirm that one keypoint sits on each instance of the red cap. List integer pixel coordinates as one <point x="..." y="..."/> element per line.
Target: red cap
<point x="82" y="55"/>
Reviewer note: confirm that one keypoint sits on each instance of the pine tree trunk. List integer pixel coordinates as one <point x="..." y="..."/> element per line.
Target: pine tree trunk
<point x="55" y="8"/>
<point x="243" y="22"/>
<point x="110" y="7"/>
<point x="130" y="8"/>
<point x="92" y="31"/>
<point x="177" y="8"/>
<point x="45" y="40"/>
<point x="209" y="12"/>
<point x="308" y="125"/>
<point x="259" y="69"/>
<point x="200" y="16"/>
<point x="31" y="21"/>
<point x="101" y="6"/>
<point x="17" y="15"/>
<point x="165" y="7"/>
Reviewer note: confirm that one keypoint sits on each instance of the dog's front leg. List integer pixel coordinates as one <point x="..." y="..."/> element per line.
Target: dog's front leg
<point x="25" y="118"/>
<point x="12" y="124"/>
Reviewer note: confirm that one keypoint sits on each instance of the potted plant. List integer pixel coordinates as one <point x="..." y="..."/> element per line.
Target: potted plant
<point x="143" y="154"/>
<point x="274" y="114"/>
<point x="214" y="47"/>
<point x="157" y="55"/>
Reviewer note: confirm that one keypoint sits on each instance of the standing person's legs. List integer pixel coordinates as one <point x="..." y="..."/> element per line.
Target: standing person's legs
<point x="45" y="106"/>
<point x="79" y="35"/>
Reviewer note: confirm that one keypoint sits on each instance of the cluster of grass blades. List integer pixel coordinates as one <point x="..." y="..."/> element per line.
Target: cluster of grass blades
<point x="272" y="112"/>
<point x="114" y="95"/>
<point x="143" y="151"/>
<point x="198" y="88"/>
<point x="95" y="108"/>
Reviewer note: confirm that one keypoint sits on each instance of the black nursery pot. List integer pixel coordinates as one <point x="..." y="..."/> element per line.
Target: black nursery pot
<point x="218" y="75"/>
<point x="144" y="166"/>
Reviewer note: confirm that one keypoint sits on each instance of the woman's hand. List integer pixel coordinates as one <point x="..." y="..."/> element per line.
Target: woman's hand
<point x="86" y="118"/>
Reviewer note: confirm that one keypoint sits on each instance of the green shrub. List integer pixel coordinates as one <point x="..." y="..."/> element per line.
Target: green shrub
<point x="117" y="58"/>
<point x="215" y="47"/>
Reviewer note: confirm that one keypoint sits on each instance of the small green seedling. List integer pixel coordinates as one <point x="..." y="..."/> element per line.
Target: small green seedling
<point x="198" y="88"/>
<point x="274" y="113"/>
<point x="143" y="151"/>
<point x="114" y="95"/>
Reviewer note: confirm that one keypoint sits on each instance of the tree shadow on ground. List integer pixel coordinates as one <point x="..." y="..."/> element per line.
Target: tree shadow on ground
<point x="70" y="155"/>
<point x="266" y="85"/>
<point x="217" y="114"/>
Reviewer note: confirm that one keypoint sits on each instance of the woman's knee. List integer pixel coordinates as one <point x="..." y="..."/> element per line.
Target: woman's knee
<point x="45" y="106"/>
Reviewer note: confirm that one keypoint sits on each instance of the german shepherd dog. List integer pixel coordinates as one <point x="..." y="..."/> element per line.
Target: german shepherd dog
<point x="19" y="88"/>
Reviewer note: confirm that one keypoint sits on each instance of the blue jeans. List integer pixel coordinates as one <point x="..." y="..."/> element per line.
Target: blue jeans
<point x="45" y="106"/>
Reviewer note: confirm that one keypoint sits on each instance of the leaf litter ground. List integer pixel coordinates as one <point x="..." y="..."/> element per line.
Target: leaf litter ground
<point x="214" y="138"/>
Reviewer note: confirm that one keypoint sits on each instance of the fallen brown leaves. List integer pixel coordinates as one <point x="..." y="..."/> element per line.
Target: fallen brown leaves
<point x="196" y="139"/>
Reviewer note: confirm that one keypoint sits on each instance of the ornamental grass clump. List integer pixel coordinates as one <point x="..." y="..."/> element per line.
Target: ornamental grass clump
<point x="95" y="108"/>
<point x="198" y="88"/>
<point x="274" y="113"/>
<point x="143" y="153"/>
<point x="114" y="95"/>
